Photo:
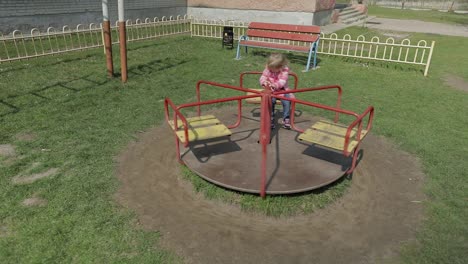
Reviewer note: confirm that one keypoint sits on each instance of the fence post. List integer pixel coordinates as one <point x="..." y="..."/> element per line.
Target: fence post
<point x="191" y="26"/>
<point x="429" y="58"/>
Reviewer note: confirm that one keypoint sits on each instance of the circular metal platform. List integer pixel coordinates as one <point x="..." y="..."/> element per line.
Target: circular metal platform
<point x="235" y="162"/>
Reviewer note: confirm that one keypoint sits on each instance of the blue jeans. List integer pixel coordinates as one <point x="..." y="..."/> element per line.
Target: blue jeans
<point x="286" y="107"/>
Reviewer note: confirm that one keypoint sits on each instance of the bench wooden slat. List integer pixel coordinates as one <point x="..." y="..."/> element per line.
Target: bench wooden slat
<point x="285" y="27"/>
<point x="271" y="45"/>
<point x="202" y="133"/>
<point x="197" y="121"/>
<point x="281" y="35"/>
<point x="273" y="31"/>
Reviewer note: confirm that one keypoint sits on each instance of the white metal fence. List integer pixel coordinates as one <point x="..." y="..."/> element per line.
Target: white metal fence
<point x="149" y="29"/>
<point x="375" y="49"/>
<point x="18" y="46"/>
<point x="214" y="28"/>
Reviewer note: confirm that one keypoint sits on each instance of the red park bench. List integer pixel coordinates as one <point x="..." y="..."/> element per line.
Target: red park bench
<point x="298" y="38"/>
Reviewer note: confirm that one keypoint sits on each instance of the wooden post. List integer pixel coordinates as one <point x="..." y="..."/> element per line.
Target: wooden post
<point x="123" y="41"/>
<point x="107" y="38"/>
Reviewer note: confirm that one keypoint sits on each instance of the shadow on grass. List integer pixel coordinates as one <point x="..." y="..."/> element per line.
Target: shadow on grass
<point x="18" y="101"/>
<point x="379" y="64"/>
<point x="154" y="66"/>
<point x="56" y="90"/>
<point x="152" y="45"/>
<point x="296" y="58"/>
<point x="302" y="59"/>
<point x="60" y="61"/>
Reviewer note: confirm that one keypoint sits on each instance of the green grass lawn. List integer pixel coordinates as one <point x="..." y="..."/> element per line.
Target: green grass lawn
<point x="429" y="15"/>
<point x="80" y="120"/>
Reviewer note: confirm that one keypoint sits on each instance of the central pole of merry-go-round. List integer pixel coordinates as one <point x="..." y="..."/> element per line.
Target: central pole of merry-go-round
<point x="265" y="131"/>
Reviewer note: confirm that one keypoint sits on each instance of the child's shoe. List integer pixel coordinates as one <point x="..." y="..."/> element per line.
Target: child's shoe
<point x="287" y="123"/>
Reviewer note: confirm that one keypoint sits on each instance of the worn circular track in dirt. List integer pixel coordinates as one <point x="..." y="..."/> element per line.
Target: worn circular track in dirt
<point x="380" y="210"/>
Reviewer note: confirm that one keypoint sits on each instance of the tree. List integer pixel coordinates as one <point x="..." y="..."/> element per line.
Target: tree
<point x="450" y="9"/>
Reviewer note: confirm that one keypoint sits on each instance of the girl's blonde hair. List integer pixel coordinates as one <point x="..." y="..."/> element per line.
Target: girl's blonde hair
<point x="277" y="61"/>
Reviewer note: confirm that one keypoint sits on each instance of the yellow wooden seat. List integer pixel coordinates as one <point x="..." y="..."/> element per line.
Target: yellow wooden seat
<point x="201" y="133"/>
<point x="201" y="128"/>
<point x="197" y="121"/>
<point x="331" y="135"/>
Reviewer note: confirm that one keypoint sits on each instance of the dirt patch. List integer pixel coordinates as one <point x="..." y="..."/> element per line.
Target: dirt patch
<point x="4" y="231"/>
<point x="381" y="209"/>
<point x="26" y="136"/>
<point x="35" y="200"/>
<point x="22" y="179"/>
<point x="456" y="82"/>
<point x="7" y="150"/>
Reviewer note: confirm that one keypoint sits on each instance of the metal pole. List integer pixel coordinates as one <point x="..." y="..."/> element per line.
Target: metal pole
<point x="123" y="41"/>
<point x="107" y="38"/>
<point x="429" y="58"/>
<point x="265" y="127"/>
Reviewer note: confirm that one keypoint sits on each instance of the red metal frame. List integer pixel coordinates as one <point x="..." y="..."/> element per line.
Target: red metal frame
<point x="177" y="113"/>
<point x="357" y="122"/>
<point x="265" y="121"/>
<point x="293" y="103"/>
<point x="227" y="86"/>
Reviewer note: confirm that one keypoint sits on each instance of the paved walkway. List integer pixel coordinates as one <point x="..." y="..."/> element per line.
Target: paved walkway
<point x="405" y="26"/>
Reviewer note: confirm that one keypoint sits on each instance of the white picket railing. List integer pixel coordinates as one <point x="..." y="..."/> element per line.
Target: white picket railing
<point x="18" y="46"/>
<point x="147" y="29"/>
<point x="374" y="49"/>
<point x="214" y="28"/>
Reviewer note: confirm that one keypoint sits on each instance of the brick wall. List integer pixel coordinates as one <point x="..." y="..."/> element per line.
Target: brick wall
<point x="26" y="14"/>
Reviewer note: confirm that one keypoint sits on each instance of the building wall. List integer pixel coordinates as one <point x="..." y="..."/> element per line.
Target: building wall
<point x="302" y="12"/>
<point x="299" y="18"/>
<point x="266" y="5"/>
<point x="27" y="14"/>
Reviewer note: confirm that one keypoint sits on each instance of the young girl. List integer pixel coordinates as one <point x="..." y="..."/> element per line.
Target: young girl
<point x="275" y="77"/>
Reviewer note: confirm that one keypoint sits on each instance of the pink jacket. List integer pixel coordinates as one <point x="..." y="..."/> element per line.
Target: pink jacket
<point x="278" y="80"/>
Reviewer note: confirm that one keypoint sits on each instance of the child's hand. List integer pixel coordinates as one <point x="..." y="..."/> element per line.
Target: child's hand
<point x="267" y="84"/>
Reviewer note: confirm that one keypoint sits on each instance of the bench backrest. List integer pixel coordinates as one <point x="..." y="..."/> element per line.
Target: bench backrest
<point x="284" y="31"/>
